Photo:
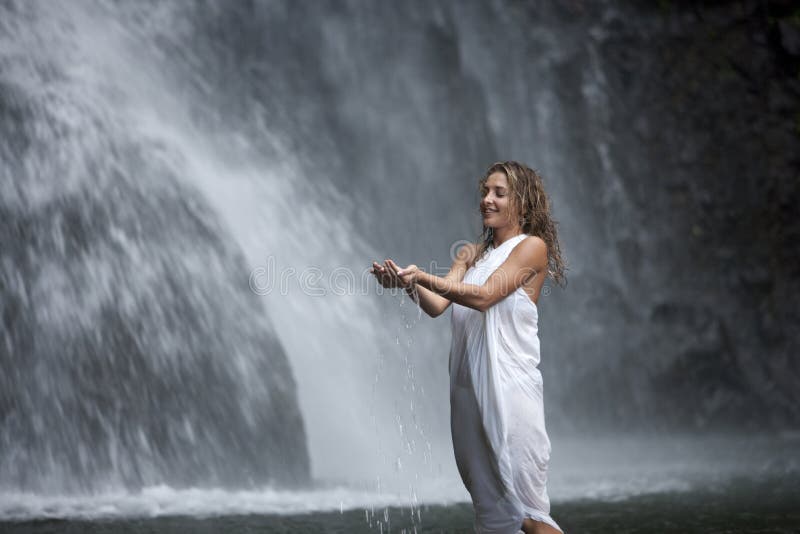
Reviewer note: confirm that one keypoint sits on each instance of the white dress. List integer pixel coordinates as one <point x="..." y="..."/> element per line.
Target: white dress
<point x="496" y="406"/>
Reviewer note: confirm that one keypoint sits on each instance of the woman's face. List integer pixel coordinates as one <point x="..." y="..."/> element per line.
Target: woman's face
<point x="496" y="201"/>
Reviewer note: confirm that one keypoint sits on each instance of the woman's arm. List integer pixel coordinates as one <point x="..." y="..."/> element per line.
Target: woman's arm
<point x="430" y="302"/>
<point x="434" y="304"/>
<point x="525" y="260"/>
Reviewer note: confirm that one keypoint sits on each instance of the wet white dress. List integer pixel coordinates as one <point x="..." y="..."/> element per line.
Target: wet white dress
<point x="496" y="406"/>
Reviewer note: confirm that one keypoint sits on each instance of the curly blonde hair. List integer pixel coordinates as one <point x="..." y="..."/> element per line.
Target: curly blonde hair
<point x="532" y="207"/>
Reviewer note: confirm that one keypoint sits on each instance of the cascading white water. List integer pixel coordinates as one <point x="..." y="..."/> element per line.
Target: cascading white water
<point x="132" y="357"/>
<point x="360" y="394"/>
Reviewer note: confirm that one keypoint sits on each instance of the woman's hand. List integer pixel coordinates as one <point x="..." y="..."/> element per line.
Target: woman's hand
<point x="387" y="276"/>
<point x="408" y="274"/>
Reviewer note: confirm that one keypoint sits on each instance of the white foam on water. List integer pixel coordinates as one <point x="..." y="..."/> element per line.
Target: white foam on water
<point x="161" y="501"/>
<point x="604" y="469"/>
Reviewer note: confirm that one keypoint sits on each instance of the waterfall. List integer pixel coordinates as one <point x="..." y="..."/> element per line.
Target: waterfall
<point x="134" y="352"/>
<point x="192" y="193"/>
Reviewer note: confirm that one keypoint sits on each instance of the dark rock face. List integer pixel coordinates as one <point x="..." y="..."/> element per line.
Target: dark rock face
<point x="704" y="135"/>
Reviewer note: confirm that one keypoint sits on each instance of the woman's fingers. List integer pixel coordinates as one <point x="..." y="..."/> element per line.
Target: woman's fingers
<point x="384" y="275"/>
<point x="380" y="273"/>
<point x="395" y="270"/>
<point x="388" y="274"/>
<point x="392" y="265"/>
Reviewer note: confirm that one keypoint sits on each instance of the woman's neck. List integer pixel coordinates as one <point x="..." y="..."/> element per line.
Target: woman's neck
<point x="501" y="235"/>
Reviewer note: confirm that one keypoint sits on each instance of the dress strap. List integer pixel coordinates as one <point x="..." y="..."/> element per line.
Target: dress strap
<point x="516" y="239"/>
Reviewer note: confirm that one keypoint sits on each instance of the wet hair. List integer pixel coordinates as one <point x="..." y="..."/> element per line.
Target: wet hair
<point x="532" y="207"/>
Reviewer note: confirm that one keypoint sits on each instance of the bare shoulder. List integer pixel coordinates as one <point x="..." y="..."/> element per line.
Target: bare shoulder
<point x="534" y="241"/>
<point x="531" y="251"/>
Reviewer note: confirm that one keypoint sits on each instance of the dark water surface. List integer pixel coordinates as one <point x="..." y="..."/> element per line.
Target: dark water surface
<point x="771" y="505"/>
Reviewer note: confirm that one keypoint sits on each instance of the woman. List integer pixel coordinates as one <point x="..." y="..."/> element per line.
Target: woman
<point x="497" y="413"/>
